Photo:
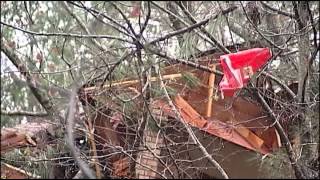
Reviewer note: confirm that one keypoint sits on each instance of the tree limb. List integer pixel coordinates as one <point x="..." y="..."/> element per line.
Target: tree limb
<point x="278" y="81"/>
<point x="40" y="95"/>
<point x="292" y="157"/>
<point x="23" y="113"/>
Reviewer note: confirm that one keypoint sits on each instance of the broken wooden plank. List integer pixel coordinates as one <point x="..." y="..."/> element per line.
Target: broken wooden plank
<point x="210" y="91"/>
<point x="253" y="139"/>
<point x="136" y="81"/>
<point x="242" y="136"/>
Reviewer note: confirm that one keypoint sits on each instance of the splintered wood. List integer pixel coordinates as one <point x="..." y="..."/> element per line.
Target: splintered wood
<point x="210" y="91"/>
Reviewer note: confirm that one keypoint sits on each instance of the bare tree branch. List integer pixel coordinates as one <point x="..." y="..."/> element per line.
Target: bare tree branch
<point x="277" y="10"/>
<point x="193" y="20"/>
<point x="23" y="113"/>
<point x="148" y="47"/>
<point x="258" y="31"/>
<point x="70" y="137"/>
<point x="171" y="14"/>
<point x="83" y="27"/>
<point x="196" y="25"/>
<point x="191" y="133"/>
<point x="41" y="96"/>
<point x="277" y="80"/>
<point x="66" y="34"/>
<point x="292" y="157"/>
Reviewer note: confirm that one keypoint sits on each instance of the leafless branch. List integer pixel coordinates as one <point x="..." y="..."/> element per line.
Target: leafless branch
<point x="70" y="137"/>
<point x="171" y="14"/>
<point x="66" y="34"/>
<point x="83" y="27"/>
<point x="193" y="20"/>
<point x="189" y="28"/>
<point x="258" y="31"/>
<point x="278" y="81"/>
<point x="292" y="157"/>
<point x="189" y="63"/>
<point x="23" y="113"/>
<point x="190" y="132"/>
<point x="277" y="10"/>
<point x="41" y="96"/>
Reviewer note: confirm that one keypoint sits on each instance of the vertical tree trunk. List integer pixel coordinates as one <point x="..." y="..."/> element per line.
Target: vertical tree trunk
<point x="307" y="153"/>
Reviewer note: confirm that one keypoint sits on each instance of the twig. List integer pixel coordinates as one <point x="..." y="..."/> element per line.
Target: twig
<point x="284" y="138"/>
<point x="126" y="19"/>
<point x="280" y="83"/>
<point x="181" y="20"/>
<point x="180" y="31"/>
<point x="193" y="20"/>
<point x="147" y="19"/>
<point x="191" y="133"/>
<point x="189" y="28"/>
<point x="98" y="13"/>
<point x="25" y="173"/>
<point x="41" y="96"/>
<point x="66" y="34"/>
<point x="277" y="10"/>
<point x="313" y="27"/>
<point x="94" y="147"/>
<point x="83" y="27"/>
<point x="255" y="27"/>
<point x="189" y="63"/>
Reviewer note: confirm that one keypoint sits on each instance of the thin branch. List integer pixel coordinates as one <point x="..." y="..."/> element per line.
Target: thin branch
<point x="313" y="27"/>
<point x="277" y="10"/>
<point x="255" y="27"/>
<point x="228" y="24"/>
<point x="189" y="28"/>
<point x="181" y="20"/>
<point x="23" y="113"/>
<point x="82" y="26"/>
<point x="189" y="63"/>
<point x="193" y="20"/>
<point x="284" y="138"/>
<point x="283" y="85"/>
<point x="147" y="19"/>
<point x="66" y="34"/>
<point x="41" y="96"/>
<point x="191" y="133"/>
<point x="180" y="31"/>
<point x="98" y="13"/>
<point x="70" y="137"/>
<point x="126" y="19"/>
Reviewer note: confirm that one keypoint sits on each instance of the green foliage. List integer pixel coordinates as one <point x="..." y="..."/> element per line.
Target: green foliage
<point x="189" y="46"/>
<point x="160" y="92"/>
<point x="34" y="162"/>
<point x="152" y="125"/>
<point x="276" y="165"/>
<point x="191" y="80"/>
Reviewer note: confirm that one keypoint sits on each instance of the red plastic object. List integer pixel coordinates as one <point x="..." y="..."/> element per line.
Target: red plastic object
<point x="239" y="67"/>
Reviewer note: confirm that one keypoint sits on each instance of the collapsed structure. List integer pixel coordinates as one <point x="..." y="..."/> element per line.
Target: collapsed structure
<point x="231" y="128"/>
